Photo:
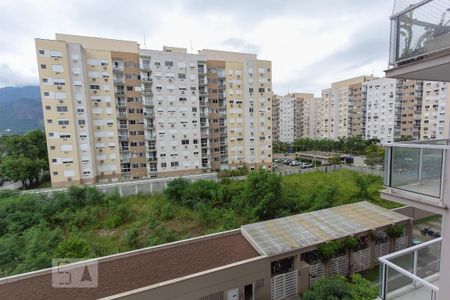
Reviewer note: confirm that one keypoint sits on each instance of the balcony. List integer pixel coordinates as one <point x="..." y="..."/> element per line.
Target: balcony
<point x="415" y="172"/>
<point x="412" y="273"/>
<point x="420" y="40"/>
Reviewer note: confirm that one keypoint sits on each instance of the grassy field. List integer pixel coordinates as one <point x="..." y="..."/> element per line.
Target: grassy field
<point x="86" y="223"/>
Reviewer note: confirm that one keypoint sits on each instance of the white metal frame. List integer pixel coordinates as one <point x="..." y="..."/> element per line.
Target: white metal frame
<point x="386" y="263"/>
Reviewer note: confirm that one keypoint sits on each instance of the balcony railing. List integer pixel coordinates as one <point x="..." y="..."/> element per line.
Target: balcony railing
<point x="417" y="168"/>
<point x="412" y="273"/>
<point x="419" y="29"/>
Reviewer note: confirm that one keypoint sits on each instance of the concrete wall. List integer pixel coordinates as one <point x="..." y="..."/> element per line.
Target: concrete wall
<point x="413" y="212"/>
<point x="145" y="186"/>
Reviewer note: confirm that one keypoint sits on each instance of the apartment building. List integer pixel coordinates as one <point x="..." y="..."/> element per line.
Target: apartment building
<point x="246" y="95"/>
<point x="115" y="111"/>
<point x="379" y="96"/>
<point x="275" y="118"/>
<point x="176" y="113"/>
<point x="288" y="119"/>
<point x="435" y="111"/>
<point x="408" y="109"/>
<point x="304" y="115"/>
<point x="325" y="118"/>
<point x="347" y="107"/>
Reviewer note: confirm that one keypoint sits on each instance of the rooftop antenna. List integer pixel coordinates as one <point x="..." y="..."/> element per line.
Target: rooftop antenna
<point x="145" y="42"/>
<point x="192" y="47"/>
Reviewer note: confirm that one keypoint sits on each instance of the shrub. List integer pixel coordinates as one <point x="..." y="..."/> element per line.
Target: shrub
<point x="395" y="231"/>
<point x="73" y="247"/>
<point x="328" y="250"/>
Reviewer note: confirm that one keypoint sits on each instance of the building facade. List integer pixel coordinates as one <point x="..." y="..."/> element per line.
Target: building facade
<point x="380" y="99"/>
<point x="408" y="109"/>
<point x="288" y="119"/>
<point x="435" y="111"/>
<point x="246" y="95"/>
<point x="115" y="111"/>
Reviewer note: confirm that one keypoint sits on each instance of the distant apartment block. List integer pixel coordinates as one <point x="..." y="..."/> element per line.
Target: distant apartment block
<point x="287" y="119"/>
<point x="435" y="111"/>
<point x="295" y="116"/>
<point x="380" y="98"/>
<point x="408" y="109"/>
<point x="114" y="111"/>
<point x="244" y="96"/>
<point x="275" y="118"/>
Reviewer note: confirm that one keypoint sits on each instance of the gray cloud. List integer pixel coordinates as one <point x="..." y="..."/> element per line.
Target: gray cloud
<point x="10" y="78"/>
<point x="241" y="45"/>
<point x="213" y="24"/>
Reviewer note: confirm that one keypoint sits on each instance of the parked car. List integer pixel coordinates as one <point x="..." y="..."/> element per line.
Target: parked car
<point x="295" y="163"/>
<point x="306" y="165"/>
<point x="287" y="161"/>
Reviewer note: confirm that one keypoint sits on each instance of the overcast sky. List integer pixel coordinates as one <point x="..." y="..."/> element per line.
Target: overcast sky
<point x="310" y="43"/>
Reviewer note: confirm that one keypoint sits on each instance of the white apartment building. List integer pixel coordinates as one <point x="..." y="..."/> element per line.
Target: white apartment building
<point x="173" y="118"/>
<point x="325" y="118"/>
<point x="380" y="98"/>
<point x="435" y="111"/>
<point x="286" y="121"/>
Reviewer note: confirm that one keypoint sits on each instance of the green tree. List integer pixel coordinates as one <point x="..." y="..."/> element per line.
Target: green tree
<point x="335" y="159"/>
<point x="335" y="288"/>
<point x="338" y="288"/>
<point x="24" y="157"/>
<point x="374" y="155"/>
<point x="176" y="188"/>
<point x="262" y="194"/>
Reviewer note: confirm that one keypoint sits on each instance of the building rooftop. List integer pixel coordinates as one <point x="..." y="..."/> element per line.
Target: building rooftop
<point x="127" y="271"/>
<point x="299" y="231"/>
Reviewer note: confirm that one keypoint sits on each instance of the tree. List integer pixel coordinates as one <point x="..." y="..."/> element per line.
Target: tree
<point x="338" y="288"/>
<point x="374" y="155"/>
<point x="262" y="194"/>
<point x="335" y="160"/>
<point x="24" y="157"/>
<point x="176" y="188"/>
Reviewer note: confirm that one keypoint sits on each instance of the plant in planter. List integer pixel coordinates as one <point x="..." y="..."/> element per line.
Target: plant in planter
<point x="328" y="250"/>
<point x="395" y="231"/>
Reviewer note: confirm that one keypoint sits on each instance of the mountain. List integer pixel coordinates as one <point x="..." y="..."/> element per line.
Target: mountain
<point x="20" y="109"/>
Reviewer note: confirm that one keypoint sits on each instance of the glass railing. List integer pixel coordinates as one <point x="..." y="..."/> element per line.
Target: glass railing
<point x="420" y="28"/>
<point x="416" y="167"/>
<point x="412" y="273"/>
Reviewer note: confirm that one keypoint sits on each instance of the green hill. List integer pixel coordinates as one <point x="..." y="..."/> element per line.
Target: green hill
<point x="20" y="109"/>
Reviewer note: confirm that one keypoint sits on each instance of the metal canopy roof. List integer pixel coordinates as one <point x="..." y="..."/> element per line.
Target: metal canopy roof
<point x="299" y="231"/>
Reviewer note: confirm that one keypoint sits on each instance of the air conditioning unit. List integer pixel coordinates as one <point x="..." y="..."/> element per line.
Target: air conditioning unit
<point x="105" y="68"/>
<point x="98" y="127"/>
<point x="95" y="91"/>
<point x="59" y="87"/>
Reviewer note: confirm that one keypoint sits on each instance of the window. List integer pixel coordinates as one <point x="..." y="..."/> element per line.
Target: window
<point x="61" y="108"/>
<point x="184" y="142"/>
<point x="43" y="66"/>
<point x="95" y="87"/>
<point x="48" y="107"/>
<point x="174" y="164"/>
<point x="169" y="63"/>
<point x="81" y="122"/>
<point x="42" y="52"/>
<point x="181" y="76"/>
<point x="163" y="165"/>
<point x="63" y="122"/>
